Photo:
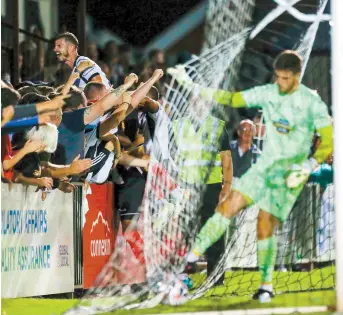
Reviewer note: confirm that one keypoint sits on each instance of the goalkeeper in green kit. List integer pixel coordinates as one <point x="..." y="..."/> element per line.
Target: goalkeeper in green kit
<point x="292" y="112"/>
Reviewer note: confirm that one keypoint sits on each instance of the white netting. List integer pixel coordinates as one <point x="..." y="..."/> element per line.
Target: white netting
<point x="224" y="19"/>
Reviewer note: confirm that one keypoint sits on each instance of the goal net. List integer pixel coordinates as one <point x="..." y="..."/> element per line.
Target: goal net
<point x="242" y="37"/>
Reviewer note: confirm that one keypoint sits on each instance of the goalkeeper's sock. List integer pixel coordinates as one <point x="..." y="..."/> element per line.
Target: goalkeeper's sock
<point x="267" y="287"/>
<point x="210" y="233"/>
<point x="266" y="253"/>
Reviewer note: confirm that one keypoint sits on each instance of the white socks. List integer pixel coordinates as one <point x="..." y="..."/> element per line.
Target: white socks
<point x="267" y="287"/>
<point x="192" y="257"/>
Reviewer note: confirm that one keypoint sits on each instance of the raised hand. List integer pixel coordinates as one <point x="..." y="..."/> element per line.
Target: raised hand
<point x="158" y="74"/>
<point x="131" y="79"/>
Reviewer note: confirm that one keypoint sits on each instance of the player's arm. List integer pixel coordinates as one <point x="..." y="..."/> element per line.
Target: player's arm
<point x="139" y="141"/>
<point x="124" y="140"/>
<point x="30" y="146"/>
<point x="85" y="65"/>
<point x="139" y="94"/>
<point x="299" y="175"/>
<point x="323" y="125"/>
<point x="70" y="82"/>
<point x="75" y="74"/>
<point x="96" y="78"/>
<point x="6" y="115"/>
<point x="114" y="120"/>
<point x="119" y="114"/>
<point x="129" y="160"/>
<point x="10" y="163"/>
<point x="325" y="147"/>
<point x="254" y="97"/>
<point x="149" y="105"/>
<point x="322" y="122"/>
<point x="107" y="102"/>
<point x="30" y="110"/>
<point x="32" y="181"/>
<point x="223" y="97"/>
<point x="76" y="167"/>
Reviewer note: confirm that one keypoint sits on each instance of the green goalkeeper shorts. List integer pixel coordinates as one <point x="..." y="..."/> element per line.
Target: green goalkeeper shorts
<point x="265" y="185"/>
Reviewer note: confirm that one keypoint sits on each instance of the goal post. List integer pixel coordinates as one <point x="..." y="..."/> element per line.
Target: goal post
<point x="337" y="81"/>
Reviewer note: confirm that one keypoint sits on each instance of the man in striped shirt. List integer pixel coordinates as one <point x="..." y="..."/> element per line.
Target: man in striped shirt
<point x="66" y="50"/>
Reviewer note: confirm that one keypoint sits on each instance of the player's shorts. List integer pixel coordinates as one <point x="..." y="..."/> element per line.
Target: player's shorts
<point x="102" y="162"/>
<point x="129" y="196"/>
<point x="265" y="185"/>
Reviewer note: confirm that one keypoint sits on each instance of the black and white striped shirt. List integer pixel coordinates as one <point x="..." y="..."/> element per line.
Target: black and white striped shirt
<point x="87" y="75"/>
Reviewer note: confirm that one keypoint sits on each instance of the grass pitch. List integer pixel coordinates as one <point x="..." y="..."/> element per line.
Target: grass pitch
<point x="227" y="297"/>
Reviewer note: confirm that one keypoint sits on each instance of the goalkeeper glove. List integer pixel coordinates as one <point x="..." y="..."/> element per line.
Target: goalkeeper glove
<point x="299" y="173"/>
<point x="181" y="76"/>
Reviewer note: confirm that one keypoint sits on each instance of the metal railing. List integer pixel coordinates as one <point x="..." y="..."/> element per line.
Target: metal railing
<point x="78" y="226"/>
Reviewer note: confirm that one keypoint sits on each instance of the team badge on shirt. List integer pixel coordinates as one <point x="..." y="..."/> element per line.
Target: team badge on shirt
<point x="283" y="126"/>
<point x="205" y="136"/>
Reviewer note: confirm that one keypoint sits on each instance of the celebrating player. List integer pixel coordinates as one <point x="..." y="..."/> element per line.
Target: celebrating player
<point x="292" y="112"/>
<point x="66" y="50"/>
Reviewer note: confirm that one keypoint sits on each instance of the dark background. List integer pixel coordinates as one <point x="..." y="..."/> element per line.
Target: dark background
<point x="135" y="21"/>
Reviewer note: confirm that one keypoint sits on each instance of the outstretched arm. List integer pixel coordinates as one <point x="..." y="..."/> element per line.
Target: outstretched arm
<point x="223" y="97"/>
<point x="76" y="167"/>
<point x="30" y="110"/>
<point x="129" y="160"/>
<point x="32" y="181"/>
<point x="30" y="146"/>
<point x="114" y="120"/>
<point x="142" y="91"/>
<point x="70" y="82"/>
<point x="107" y="102"/>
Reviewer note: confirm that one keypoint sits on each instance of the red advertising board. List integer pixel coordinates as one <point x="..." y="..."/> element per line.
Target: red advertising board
<point x="98" y="234"/>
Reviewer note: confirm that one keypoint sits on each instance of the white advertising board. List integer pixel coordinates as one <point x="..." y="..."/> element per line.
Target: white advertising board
<point x="36" y="242"/>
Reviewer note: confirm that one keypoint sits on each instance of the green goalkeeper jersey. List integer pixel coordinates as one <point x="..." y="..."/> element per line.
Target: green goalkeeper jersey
<point x="290" y="119"/>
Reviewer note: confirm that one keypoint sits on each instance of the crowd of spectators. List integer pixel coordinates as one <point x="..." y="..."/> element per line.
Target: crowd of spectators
<point x="96" y="125"/>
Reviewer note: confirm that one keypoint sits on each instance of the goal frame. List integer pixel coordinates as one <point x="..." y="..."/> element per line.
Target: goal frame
<point x="337" y="93"/>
